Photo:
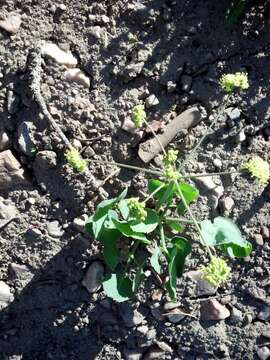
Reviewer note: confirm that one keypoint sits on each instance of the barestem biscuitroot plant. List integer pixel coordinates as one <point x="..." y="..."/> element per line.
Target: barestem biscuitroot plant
<point x="127" y="225"/>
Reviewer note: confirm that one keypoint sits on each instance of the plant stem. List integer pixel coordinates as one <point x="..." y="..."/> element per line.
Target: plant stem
<point x="162" y="239"/>
<point x="180" y="219"/>
<point x="194" y="176"/>
<point x="154" y="192"/>
<point x="132" y="167"/>
<point x="155" y="136"/>
<point x="193" y="219"/>
<point x="193" y="151"/>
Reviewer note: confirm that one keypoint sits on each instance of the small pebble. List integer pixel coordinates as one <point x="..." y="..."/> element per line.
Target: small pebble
<point x="212" y="310"/>
<point x="227" y="204"/>
<point x="265" y="232"/>
<point x="93" y="277"/>
<point x="4" y="140"/>
<point x="60" y="56"/>
<point x="240" y="137"/>
<point x="186" y="82"/>
<point x="233" y="114"/>
<point x="54" y="229"/>
<point x="151" y="100"/>
<point x="77" y="76"/>
<point x="217" y="163"/>
<point x="258" y="239"/>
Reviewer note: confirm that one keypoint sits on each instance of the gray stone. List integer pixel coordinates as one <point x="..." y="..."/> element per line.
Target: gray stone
<point x="264" y="314"/>
<point x="240" y="137"/>
<point x="258" y="239"/>
<point x="7" y="213"/>
<point x="54" y="229"/>
<point x="171" y="305"/>
<point x="175" y="316"/>
<point x="132" y="354"/>
<point x="46" y="159"/>
<point x="236" y="315"/>
<point x="203" y="287"/>
<point x="11" y="173"/>
<point x="217" y="163"/>
<point x="186" y="82"/>
<point x="129" y="126"/>
<point x="164" y="346"/>
<point x="79" y="222"/>
<point x="5" y="294"/>
<point x="263" y="353"/>
<point x="93" y="277"/>
<point x="227" y="204"/>
<point x="26" y="138"/>
<point x="4" y="140"/>
<point x="256" y="293"/>
<point x="212" y="310"/>
<point x="151" y="100"/>
<point x="233" y="113"/>
<point x="130" y="316"/>
<point x="265" y="232"/>
<point x="11" y="24"/>
<point x="171" y="86"/>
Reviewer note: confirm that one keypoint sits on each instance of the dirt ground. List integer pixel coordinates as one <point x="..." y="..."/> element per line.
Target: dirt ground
<point x="176" y="50"/>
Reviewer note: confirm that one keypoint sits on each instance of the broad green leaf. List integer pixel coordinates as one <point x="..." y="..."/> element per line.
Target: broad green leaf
<point x="171" y="283"/>
<point x="154" y="259"/>
<point x="117" y="287"/>
<point x="126" y="230"/>
<point x="124" y="209"/>
<point x="111" y="253"/>
<point x="148" y="225"/>
<point x="153" y="184"/>
<point x="224" y="233"/>
<point x="183" y="248"/>
<point x="178" y="251"/>
<point x="175" y="226"/>
<point x="98" y="220"/>
<point x="190" y="194"/>
<point x="233" y="250"/>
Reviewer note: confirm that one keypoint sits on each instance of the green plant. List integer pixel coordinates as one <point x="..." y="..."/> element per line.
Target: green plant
<point x="150" y="232"/>
<point x="235" y="10"/>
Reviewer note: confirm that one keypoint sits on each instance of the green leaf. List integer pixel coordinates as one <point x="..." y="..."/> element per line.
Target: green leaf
<point x="117" y="287"/>
<point x="148" y="225"/>
<point x="233" y="250"/>
<point x="154" y="259"/>
<point x="123" y="208"/>
<point x="98" y="220"/>
<point x="225" y="234"/>
<point x="171" y="283"/>
<point x="183" y="248"/>
<point x="178" y="252"/>
<point x="89" y="226"/>
<point x="153" y="184"/>
<point x="175" y="226"/>
<point x="126" y="230"/>
<point x="167" y="197"/>
<point x="190" y="194"/>
<point x="111" y="253"/>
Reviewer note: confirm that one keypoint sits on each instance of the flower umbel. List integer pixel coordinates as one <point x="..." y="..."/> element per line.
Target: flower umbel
<point x="138" y="115"/>
<point x="170" y="173"/>
<point x="170" y="157"/>
<point x="258" y="168"/>
<point x="75" y="160"/>
<point x="216" y="272"/>
<point x="137" y="209"/>
<point x="229" y="82"/>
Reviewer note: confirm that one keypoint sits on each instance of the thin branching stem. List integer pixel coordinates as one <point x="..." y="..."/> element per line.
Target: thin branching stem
<point x="154" y="192"/>
<point x="179" y="219"/>
<point x="196" y="224"/>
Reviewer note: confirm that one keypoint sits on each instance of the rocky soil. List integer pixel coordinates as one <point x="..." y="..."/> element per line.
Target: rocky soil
<point x="99" y="60"/>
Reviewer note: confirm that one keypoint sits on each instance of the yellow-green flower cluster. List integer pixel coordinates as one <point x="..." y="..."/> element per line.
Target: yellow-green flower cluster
<point x="137" y="209"/>
<point x="75" y="160"/>
<point x="229" y="82"/>
<point x="170" y="157"/>
<point x="258" y="168"/>
<point x="216" y="272"/>
<point x="138" y="115"/>
<point x="170" y="173"/>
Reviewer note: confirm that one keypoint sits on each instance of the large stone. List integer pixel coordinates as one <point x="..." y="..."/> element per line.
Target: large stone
<point x="11" y="173"/>
<point x="26" y="141"/>
<point x="212" y="310"/>
<point x="61" y="57"/>
<point x="11" y="24"/>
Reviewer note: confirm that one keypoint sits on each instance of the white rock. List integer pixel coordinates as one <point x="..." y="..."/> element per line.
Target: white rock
<point x="7" y="213"/>
<point x="152" y="100"/>
<point x="129" y="126"/>
<point x="60" y="56"/>
<point x="54" y="229"/>
<point x="11" y="173"/>
<point x="93" y="277"/>
<point x="4" y="140"/>
<point x="11" y="24"/>
<point x="5" y="294"/>
<point x="263" y="353"/>
<point x="227" y="204"/>
<point x="77" y="76"/>
<point x="79" y="222"/>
